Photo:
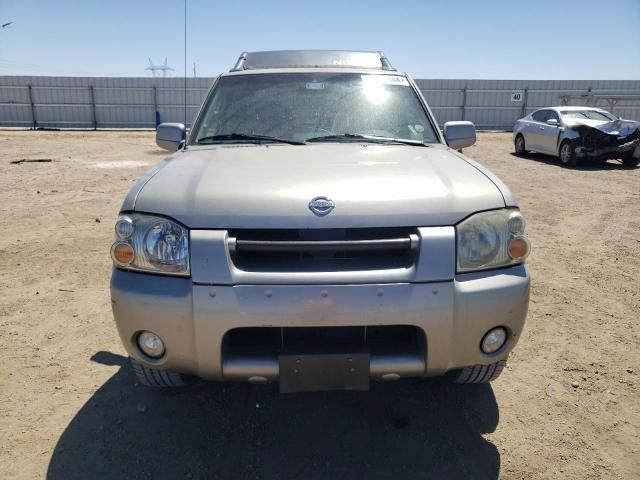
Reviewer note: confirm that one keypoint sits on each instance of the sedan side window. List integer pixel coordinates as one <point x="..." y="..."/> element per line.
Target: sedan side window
<point x="540" y="115"/>
<point x="551" y="114"/>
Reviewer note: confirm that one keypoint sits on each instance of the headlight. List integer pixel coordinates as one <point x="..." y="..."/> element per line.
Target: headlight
<point x="151" y="244"/>
<point x="491" y="240"/>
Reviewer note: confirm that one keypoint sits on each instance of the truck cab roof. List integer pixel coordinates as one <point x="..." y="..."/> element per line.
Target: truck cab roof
<point x="285" y="59"/>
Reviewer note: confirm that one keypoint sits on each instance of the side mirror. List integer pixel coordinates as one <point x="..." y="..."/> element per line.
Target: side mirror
<point x="170" y="135"/>
<point x="553" y="122"/>
<point x="459" y="134"/>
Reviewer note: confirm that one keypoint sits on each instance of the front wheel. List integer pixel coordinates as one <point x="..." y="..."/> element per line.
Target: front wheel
<point x="567" y="154"/>
<point x="630" y="161"/>
<point x="479" y="373"/>
<point x="150" y="377"/>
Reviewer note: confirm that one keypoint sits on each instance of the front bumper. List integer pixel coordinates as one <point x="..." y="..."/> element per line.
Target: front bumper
<point x="193" y="319"/>
<point x="631" y="147"/>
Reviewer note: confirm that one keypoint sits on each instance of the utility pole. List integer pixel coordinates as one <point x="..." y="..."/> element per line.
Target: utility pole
<point x="159" y="68"/>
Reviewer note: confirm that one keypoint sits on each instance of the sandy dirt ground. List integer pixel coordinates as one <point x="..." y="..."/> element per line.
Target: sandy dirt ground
<point x="70" y="406"/>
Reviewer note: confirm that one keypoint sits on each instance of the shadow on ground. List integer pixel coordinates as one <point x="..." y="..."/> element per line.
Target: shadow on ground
<point x="411" y="429"/>
<point x="584" y="166"/>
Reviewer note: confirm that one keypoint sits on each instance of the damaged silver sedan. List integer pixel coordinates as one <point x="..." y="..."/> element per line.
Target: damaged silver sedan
<point x="575" y="134"/>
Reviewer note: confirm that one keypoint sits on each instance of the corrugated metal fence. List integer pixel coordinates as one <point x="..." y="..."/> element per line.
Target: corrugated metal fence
<point x="497" y="104"/>
<point x="97" y="102"/>
<point x="119" y="102"/>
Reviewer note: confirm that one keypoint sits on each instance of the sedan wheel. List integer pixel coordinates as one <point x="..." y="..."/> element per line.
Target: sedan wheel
<point x="630" y="161"/>
<point x="519" y="144"/>
<point x="567" y="154"/>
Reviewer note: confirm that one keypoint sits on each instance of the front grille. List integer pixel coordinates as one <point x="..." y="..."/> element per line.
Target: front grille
<point x="323" y="250"/>
<point x="374" y="338"/>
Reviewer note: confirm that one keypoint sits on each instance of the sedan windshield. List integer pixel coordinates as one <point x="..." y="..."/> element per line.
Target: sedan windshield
<point x="331" y="107"/>
<point x="590" y="114"/>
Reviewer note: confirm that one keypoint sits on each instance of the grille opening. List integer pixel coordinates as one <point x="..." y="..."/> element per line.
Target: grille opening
<point x="323" y="250"/>
<point x="372" y="339"/>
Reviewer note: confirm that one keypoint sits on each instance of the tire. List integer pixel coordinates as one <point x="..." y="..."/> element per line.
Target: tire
<point x="479" y="373"/>
<point x="630" y="161"/>
<point x="150" y="377"/>
<point x="567" y="154"/>
<point x="519" y="145"/>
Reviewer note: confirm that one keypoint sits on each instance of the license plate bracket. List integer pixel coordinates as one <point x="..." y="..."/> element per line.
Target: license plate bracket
<point x="325" y="371"/>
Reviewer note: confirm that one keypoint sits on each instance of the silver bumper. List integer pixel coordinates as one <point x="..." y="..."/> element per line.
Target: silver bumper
<point x="193" y="319"/>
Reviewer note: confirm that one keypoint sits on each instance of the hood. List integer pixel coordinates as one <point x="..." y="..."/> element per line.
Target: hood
<point x="621" y="128"/>
<point x="270" y="186"/>
<point x="589" y="122"/>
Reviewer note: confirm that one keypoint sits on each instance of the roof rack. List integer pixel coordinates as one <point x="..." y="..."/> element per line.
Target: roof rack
<point x="311" y="59"/>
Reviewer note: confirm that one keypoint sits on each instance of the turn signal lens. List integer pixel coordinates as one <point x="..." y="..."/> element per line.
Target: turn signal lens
<point x="518" y="248"/>
<point x="122" y="253"/>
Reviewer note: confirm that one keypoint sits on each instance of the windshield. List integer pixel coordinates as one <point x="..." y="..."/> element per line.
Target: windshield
<point x="590" y="114"/>
<point x="301" y="106"/>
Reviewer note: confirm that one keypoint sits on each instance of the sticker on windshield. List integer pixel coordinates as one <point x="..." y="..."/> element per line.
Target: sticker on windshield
<point x="314" y="85"/>
<point x="385" y="80"/>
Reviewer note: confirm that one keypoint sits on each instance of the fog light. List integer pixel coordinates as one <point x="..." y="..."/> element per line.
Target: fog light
<point x="494" y="340"/>
<point x="151" y="344"/>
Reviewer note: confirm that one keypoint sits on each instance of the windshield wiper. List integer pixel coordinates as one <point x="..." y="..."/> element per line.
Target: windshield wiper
<point x="246" y="136"/>
<point x="367" y="138"/>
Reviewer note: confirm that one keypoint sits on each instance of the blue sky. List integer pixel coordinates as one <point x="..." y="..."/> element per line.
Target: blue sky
<point x="560" y="39"/>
